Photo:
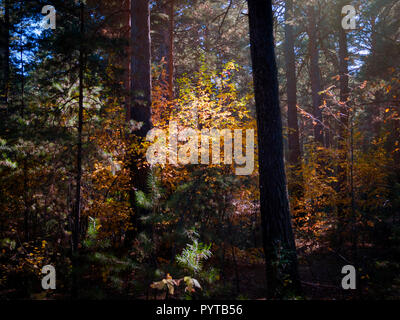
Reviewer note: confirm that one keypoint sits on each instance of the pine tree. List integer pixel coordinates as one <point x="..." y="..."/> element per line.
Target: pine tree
<point x="275" y="215"/>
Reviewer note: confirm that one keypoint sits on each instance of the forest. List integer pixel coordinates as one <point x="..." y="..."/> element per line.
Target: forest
<point x="199" y="150"/>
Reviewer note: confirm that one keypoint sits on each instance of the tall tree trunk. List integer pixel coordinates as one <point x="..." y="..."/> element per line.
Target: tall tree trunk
<point x="343" y="188"/>
<point x="141" y="103"/>
<point x="344" y="77"/>
<point x="141" y="65"/>
<point x="126" y="63"/>
<point x="296" y="181"/>
<point x="5" y="53"/>
<point x="171" y="50"/>
<point x="76" y="228"/>
<point x="315" y="76"/>
<point x="25" y="166"/>
<point x="344" y="89"/>
<point x="275" y="215"/>
<point x="77" y="213"/>
<point x="26" y="201"/>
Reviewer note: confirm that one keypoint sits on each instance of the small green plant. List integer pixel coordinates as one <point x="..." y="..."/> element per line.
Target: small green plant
<point x="192" y="256"/>
<point x="191" y="260"/>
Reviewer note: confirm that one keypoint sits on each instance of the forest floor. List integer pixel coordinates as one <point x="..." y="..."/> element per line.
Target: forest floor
<point x="320" y="274"/>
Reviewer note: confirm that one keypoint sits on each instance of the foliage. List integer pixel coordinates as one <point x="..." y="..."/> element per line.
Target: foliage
<point x="192" y="256"/>
<point x="346" y="213"/>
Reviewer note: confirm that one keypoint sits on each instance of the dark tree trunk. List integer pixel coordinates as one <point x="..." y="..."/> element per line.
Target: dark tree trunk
<point x="344" y="76"/>
<point x="162" y="51"/>
<point x="315" y="76"/>
<point x="344" y="93"/>
<point x="76" y="228"/>
<point x="140" y="105"/>
<point x="343" y="188"/>
<point x="126" y="63"/>
<point x="171" y="50"/>
<point x="296" y="183"/>
<point x="5" y="53"/>
<point x="141" y="65"/>
<point x="77" y="208"/>
<point x="26" y="202"/>
<point x="274" y="206"/>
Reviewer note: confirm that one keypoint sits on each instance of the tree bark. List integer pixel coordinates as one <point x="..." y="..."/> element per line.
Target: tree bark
<point x="344" y="76"/>
<point x="171" y="51"/>
<point x="344" y="92"/>
<point x="140" y="104"/>
<point x="315" y="76"/>
<point x="76" y="228"/>
<point x="343" y="187"/>
<point x="5" y="53"/>
<point x="274" y="207"/>
<point x="296" y="184"/>
<point x="77" y="213"/>
<point x="126" y="63"/>
<point x="141" y="65"/>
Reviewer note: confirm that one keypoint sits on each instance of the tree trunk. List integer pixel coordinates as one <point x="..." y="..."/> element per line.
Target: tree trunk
<point x="315" y="76"/>
<point x="344" y="77"/>
<point x="171" y="51"/>
<point x="5" y="54"/>
<point x="140" y="65"/>
<point x="344" y="91"/>
<point x="126" y="63"/>
<point x="77" y="213"/>
<point x="296" y="181"/>
<point x="140" y="105"/>
<point x="343" y="188"/>
<point x="76" y="228"/>
<point x="275" y="215"/>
